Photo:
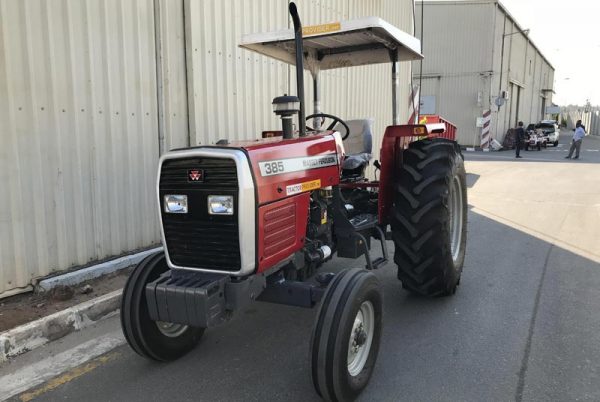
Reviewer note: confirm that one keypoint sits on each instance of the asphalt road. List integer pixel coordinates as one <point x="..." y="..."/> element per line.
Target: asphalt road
<point x="524" y="324"/>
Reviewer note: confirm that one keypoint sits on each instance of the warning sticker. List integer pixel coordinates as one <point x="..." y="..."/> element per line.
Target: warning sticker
<point x="302" y="187"/>
<point x="321" y="29"/>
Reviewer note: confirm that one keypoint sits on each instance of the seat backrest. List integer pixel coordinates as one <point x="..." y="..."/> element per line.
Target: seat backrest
<point x="360" y="140"/>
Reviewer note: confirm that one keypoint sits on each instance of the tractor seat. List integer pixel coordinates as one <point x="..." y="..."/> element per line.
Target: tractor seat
<point x="358" y="145"/>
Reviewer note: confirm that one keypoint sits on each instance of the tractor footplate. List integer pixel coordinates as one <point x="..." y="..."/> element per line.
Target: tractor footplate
<point x="364" y="222"/>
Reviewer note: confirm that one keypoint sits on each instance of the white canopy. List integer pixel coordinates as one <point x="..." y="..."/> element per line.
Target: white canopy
<point x="357" y="42"/>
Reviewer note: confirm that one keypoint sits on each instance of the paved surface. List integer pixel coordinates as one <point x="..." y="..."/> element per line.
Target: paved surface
<point x="524" y="325"/>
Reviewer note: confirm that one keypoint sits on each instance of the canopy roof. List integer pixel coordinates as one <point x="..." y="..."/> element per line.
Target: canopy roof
<point x="357" y="42"/>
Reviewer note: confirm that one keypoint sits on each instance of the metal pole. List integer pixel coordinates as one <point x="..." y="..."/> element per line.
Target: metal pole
<point x="299" y="66"/>
<point x="500" y="81"/>
<point x="395" y="87"/>
<point x="316" y="100"/>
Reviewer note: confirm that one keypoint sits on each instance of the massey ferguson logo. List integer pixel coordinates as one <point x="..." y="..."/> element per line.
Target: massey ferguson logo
<point x="195" y="175"/>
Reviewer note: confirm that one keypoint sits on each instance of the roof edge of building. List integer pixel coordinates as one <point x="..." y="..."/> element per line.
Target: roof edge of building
<point x="504" y="10"/>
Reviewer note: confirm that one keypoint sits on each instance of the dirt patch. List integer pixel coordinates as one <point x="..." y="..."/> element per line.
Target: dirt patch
<point x="27" y="307"/>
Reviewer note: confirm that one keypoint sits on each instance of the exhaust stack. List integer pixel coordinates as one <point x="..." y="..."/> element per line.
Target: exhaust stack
<point x="299" y="66"/>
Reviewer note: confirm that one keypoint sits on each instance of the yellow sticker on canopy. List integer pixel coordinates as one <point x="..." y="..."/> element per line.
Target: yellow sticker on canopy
<point x="321" y="29"/>
<point x="302" y="187"/>
<point x="419" y="130"/>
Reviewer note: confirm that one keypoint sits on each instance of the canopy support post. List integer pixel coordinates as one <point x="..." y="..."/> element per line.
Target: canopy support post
<point x="316" y="99"/>
<point x="395" y="87"/>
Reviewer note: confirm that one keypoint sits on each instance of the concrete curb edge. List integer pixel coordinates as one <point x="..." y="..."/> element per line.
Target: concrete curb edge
<point x="94" y="271"/>
<point x="55" y="326"/>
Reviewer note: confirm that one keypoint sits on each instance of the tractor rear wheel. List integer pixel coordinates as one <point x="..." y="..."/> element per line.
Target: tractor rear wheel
<point x="346" y="335"/>
<point x="155" y="340"/>
<point x="429" y="217"/>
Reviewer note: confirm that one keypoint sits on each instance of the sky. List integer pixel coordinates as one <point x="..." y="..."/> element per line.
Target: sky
<point x="567" y="32"/>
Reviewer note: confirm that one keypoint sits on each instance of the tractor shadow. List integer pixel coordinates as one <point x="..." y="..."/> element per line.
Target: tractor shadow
<point x="472" y="179"/>
<point x="466" y="347"/>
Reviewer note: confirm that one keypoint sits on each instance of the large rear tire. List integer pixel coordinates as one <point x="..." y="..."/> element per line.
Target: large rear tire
<point x="151" y="339"/>
<point x="346" y="335"/>
<point x="429" y="217"/>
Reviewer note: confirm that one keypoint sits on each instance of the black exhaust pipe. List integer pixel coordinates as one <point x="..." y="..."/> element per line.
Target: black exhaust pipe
<point x="299" y="66"/>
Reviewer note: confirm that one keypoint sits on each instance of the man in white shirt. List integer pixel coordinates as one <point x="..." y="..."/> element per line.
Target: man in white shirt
<point x="577" y="139"/>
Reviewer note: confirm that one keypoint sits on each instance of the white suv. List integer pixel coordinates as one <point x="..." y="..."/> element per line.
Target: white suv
<point x="550" y="130"/>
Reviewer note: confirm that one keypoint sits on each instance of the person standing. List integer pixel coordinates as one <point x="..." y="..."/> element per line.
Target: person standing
<point x="519" y="137"/>
<point x="576" y="141"/>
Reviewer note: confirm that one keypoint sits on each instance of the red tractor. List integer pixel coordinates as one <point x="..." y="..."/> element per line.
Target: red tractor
<point x="256" y="220"/>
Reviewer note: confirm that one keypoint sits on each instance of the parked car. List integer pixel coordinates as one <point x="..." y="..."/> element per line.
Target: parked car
<point x="549" y="130"/>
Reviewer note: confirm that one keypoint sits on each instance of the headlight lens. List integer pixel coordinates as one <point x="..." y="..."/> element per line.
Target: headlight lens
<point x="220" y="204"/>
<point x="176" y="204"/>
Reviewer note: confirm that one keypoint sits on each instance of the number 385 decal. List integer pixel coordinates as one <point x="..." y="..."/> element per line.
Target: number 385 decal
<point x="273" y="167"/>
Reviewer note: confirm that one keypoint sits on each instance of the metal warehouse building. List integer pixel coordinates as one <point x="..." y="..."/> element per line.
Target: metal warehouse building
<point x="476" y="52"/>
<point x="92" y="92"/>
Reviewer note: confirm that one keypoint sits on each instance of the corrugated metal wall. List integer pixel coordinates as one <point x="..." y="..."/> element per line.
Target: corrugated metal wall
<point x="458" y="58"/>
<point x="462" y="47"/>
<point x="591" y="120"/>
<point x="78" y="109"/>
<point x="233" y="88"/>
<point x="172" y="74"/>
<point x="523" y="67"/>
<point x="91" y="92"/>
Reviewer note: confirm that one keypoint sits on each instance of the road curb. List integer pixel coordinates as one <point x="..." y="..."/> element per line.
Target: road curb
<point x="94" y="271"/>
<point x="55" y="326"/>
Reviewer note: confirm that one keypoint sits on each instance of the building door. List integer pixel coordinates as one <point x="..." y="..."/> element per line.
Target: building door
<point x="518" y="100"/>
<point x="515" y="105"/>
<point x="543" y="114"/>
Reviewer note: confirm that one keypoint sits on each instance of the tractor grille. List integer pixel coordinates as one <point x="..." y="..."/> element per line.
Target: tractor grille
<point x="197" y="239"/>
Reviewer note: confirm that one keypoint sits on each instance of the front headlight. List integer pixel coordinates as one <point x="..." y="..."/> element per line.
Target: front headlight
<point x="220" y="204"/>
<point x="176" y="204"/>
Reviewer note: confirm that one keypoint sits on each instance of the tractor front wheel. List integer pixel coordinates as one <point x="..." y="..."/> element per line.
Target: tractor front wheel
<point x="429" y="217"/>
<point x="155" y="340"/>
<point x="346" y="335"/>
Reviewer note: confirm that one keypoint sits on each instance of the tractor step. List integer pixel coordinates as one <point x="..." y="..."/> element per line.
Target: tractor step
<point x="379" y="261"/>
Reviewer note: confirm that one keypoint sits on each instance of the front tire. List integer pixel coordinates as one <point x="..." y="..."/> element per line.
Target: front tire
<point x="346" y="335"/>
<point x="154" y="340"/>
<point x="555" y="143"/>
<point x="429" y="217"/>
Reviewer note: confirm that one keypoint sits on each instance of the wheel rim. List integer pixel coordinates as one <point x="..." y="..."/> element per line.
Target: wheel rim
<point x="456" y="217"/>
<point x="361" y="338"/>
<point x="171" y="329"/>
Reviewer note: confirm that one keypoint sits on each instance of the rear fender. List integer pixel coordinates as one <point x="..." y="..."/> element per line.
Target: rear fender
<point x="395" y="141"/>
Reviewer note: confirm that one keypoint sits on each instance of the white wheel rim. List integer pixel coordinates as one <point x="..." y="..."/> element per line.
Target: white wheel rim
<point x="456" y="217"/>
<point x="170" y="329"/>
<point x="361" y="338"/>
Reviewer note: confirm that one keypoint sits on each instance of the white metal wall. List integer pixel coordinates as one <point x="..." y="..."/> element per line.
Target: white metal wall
<point x="78" y="134"/>
<point x="233" y="88"/>
<point x="92" y="91"/>
<point x="463" y="62"/>
<point x="458" y="47"/>
<point x="523" y="67"/>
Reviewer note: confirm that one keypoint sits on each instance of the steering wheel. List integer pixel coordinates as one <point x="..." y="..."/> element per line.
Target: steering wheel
<point x="334" y="119"/>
